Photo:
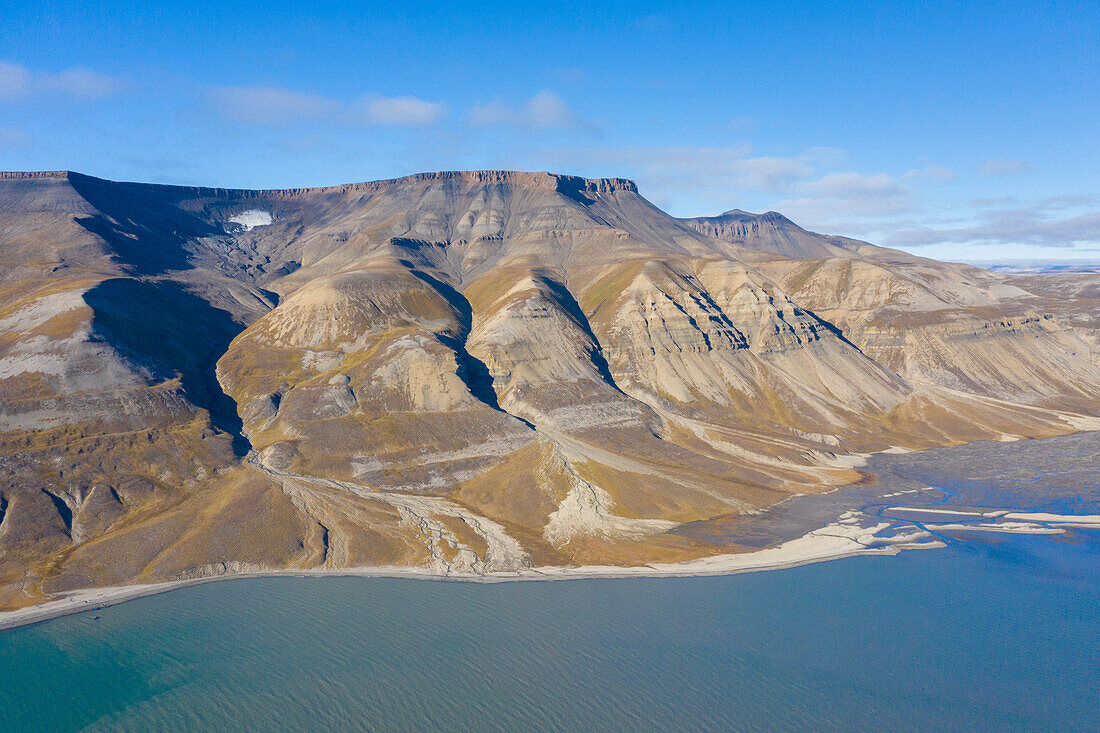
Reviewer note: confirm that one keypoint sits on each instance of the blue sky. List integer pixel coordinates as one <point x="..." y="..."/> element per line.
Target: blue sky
<point x="954" y="130"/>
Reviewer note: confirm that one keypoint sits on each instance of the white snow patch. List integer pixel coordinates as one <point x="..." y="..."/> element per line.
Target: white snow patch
<point x="252" y="218"/>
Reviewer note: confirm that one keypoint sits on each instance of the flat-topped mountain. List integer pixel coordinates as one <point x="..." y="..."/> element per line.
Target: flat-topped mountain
<point x="470" y="372"/>
<point x="774" y="233"/>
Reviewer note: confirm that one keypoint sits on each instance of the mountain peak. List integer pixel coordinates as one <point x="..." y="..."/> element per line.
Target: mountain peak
<point x="741" y="215"/>
<point x="768" y="232"/>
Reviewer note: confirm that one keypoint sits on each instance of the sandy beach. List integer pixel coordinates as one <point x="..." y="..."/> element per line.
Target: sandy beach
<point x="845" y="538"/>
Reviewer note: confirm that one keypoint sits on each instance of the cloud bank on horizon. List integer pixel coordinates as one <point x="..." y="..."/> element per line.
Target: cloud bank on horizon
<point x="974" y="145"/>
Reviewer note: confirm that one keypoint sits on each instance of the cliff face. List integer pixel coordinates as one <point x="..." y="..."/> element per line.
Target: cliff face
<point x="471" y="371"/>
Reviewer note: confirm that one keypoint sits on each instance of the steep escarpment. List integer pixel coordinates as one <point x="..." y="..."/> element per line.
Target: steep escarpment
<point x="469" y="372"/>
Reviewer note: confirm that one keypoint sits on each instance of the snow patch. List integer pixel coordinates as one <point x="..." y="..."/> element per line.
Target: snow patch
<point x="252" y="218"/>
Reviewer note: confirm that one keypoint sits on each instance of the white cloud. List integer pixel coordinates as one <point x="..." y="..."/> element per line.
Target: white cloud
<point x="16" y="81"/>
<point x="933" y="173"/>
<point x="996" y="167"/>
<point x="270" y="105"/>
<point x="847" y="194"/>
<point x="721" y="171"/>
<point x="82" y="83"/>
<point x="275" y="106"/>
<point x="824" y="156"/>
<point x="493" y="113"/>
<point x="1031" y="226"/>
<point x="407" y="110"/>
<point x="1070" y="201"/>
<point x="544" y="110"/>
<point x="854" y="185"/>
<point x="769" y="174"/>
<point x="547" y="109"/>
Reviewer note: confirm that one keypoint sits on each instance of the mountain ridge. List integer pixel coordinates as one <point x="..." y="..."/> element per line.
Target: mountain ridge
<point x="487" y="175"/>
<point x="470" y="372"/>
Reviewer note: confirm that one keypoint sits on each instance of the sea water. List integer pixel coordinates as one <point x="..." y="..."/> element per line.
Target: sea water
<point x="990" y="633"/>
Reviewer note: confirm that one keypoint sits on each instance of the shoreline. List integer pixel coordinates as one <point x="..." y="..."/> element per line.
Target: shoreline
<point x="841" y="539"/>
<point x="832" y="542"/>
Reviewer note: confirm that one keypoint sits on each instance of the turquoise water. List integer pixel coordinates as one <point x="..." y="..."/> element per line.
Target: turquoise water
<point x="976" y="636"/>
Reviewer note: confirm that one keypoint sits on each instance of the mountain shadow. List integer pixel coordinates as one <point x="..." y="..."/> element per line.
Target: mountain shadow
<point x="170" y="332"/>
<point x="143" y="225"/>
<point x="471" y="370"/>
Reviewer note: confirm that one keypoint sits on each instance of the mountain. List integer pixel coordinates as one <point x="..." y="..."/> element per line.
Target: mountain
<point x="912" y="314"/>
<point x="773" y="233"/>
<point x="471" y="372"/>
